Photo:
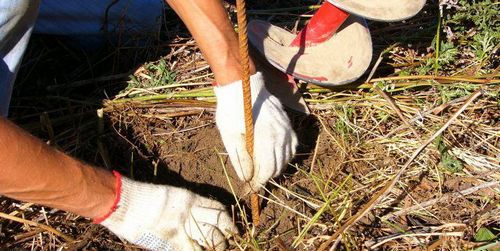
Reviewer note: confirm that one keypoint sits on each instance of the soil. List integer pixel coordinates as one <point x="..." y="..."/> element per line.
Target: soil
<point x="197" y="158"/>
<point x="190" y="154"/>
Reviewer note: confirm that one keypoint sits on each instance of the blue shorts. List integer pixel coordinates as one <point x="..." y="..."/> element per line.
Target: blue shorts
<point x="89" y="19"/>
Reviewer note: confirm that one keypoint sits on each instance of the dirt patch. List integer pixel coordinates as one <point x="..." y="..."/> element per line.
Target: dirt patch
<point x="188" y="152"/>
<point x="199" y="158"/>
<point x="185" y="151"/>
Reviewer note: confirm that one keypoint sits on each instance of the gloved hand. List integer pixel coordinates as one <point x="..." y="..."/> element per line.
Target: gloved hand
<point x="167" y="218"/>
<point x="275" y="141"/>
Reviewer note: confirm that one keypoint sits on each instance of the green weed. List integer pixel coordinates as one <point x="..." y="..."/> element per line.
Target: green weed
<point x="475" y="25"/>
<point x="156" y="74"/>
<point x="449" y="93"/>
<point x="448" y="161"/>
<point x="341" y="125"/>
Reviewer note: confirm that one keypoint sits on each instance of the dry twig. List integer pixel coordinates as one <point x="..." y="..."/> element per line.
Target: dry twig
<point x="36" y="224"/>
<point x="388" y="187"/>
<point x="457" y="234"/>
<point x="398" y="111"/>
<point x="443" y="198"/>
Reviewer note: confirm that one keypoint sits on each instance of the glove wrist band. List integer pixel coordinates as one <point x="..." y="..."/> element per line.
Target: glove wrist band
<point x="118" y="189"/>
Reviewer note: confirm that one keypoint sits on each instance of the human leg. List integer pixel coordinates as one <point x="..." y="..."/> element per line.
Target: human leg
<point x="17" y="18"/>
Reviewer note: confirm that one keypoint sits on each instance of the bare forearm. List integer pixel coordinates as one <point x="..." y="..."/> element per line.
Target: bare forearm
<point x="209" y="24"/>
<point x="32" y="171"/>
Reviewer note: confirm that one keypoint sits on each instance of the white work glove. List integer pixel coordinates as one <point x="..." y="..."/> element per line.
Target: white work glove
<point x="275" y="141"/>
<point x="168" y="218"/>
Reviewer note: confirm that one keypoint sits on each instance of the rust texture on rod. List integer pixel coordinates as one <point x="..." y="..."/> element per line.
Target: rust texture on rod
<point x="247" y="98"/>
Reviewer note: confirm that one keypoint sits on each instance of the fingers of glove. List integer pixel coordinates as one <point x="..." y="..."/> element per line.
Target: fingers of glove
<point x="288" y="152"/>
<point x="265" y="168"/>
<point x="185" y="243"/>
<point x="238" y="154"/>
<point x="205" y="234"/>
<point x="273" y="150"/>
<point x="179" y="241"/>
<point x="294" y="143"/>
<point x="282" y="156"/>
<point x="203" y="202"/>
<point x="217" y="217"/>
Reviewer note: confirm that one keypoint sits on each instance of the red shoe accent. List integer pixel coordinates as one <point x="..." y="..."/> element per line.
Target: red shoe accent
<point x="322" y="26"/>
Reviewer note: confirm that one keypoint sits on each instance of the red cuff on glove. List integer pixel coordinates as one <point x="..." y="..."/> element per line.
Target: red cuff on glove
<point x="118" y="189"/>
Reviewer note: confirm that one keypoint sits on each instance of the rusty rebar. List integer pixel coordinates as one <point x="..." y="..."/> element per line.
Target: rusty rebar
<point x="247" y="96"/>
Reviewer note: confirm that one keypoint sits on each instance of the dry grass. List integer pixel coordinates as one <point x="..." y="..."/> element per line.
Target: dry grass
<point x="356" y="140"/>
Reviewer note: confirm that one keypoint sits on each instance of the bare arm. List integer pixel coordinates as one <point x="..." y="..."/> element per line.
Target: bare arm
<point x="32" y="171"/>
<point x="209" y="24"/>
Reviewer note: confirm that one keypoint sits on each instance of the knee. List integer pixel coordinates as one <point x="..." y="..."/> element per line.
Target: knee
<point x="18" y="12"/>
<point x="17" y="17"/>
